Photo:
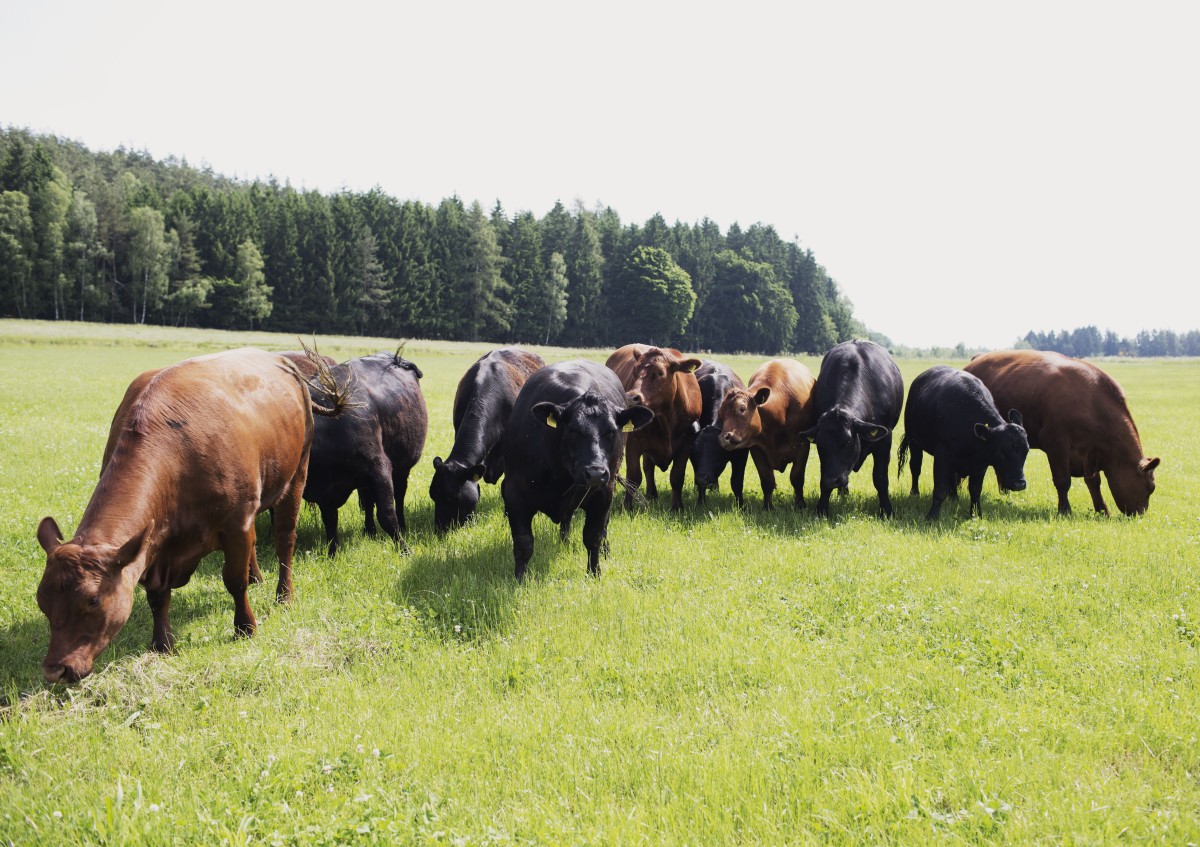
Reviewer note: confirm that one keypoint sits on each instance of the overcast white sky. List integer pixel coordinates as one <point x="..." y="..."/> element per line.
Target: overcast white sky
<point x="966" y="171"/>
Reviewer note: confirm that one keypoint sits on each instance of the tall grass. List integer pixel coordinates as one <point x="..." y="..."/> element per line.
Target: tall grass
<point x="732" y="677"/>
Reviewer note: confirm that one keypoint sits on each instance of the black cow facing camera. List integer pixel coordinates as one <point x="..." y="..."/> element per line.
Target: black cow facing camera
<point x="562" y="447"/>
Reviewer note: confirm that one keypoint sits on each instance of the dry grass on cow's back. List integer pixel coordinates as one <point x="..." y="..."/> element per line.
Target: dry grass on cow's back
<point x="731" y="677"/>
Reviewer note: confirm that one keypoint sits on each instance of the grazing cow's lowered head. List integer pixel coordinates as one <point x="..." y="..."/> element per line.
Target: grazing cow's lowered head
<point x="589" y="432"/>
<point x="86" y="592"/>
<point x="839" y="436"/>
<point x="1131" y="487"/>
<point x="454" y="491"/>
<point x="738" y="419"/>
<point x="1008" y="445"/>
<point x="655" y="384"/>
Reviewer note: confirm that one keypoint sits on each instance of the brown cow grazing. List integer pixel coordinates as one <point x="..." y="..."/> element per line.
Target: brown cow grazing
<point x="663" y="380"/>
<point x="768" y="417"/>
<point x="1077" y="414"/>
<point x="195" y="451"/>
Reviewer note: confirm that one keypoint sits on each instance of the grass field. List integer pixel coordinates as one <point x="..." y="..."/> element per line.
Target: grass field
<point x="732" y="677"/>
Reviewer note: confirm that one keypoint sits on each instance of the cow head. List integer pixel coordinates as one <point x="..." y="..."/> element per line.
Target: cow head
<point x="840" y="438"/>
<point x="656" y="375"/>
<point x="1008" y="445"/>
<point x="1131" y="484"/>
<point x="86" y="593"/>
<point x="454" y="491"/>
<point x="708" y="457"/>
<point x="589" y="431"/>
<point x="738" y="418"/>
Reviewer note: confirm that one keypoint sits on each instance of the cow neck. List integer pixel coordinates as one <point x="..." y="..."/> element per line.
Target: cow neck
<point x="470" y="442"/>
<point x="132" y="491"/>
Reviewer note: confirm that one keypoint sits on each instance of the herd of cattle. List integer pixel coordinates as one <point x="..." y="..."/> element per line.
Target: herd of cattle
<point x="198" y="449"/>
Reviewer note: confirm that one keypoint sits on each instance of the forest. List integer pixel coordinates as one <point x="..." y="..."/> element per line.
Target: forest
<point x="121" y="237"/>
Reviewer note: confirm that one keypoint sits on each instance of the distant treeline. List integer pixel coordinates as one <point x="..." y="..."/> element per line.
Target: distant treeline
<point x="120" y="237"/>
<point x="1089" y="341"/>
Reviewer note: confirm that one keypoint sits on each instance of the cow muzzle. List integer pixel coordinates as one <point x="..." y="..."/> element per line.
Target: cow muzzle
<point x="53" y="673"/>
<point x="634" y="398"/>
<point x="596" y="476"/>
<point x="730" y="441"/>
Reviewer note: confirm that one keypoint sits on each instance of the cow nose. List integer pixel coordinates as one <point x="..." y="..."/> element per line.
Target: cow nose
<point x="1018" y="485"/>
<point x="633" y="398"/>
<point x="596" y="476"/>
<point x="728" y="439"/>
<point x="61" y="673"/>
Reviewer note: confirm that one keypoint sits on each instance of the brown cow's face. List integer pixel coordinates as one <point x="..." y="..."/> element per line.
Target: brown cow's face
<point x="738" y="418"/>
<point x="1132" y="486"/>
<point x="654" y="378"/>
<point x="87" y="594"/>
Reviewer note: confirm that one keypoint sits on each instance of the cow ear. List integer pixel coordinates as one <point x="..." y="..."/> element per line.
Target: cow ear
<point x="49" y="535"/>
<point x="437" y="463"/>
<point x="132" y="548"/>
<point x="1148" y="465"/>
<point x="477" y="472"/>
<point x="871" y="432"/>
<point x="982" y="432"/>
<point x="762" y="395"/>
<point x="548" y="413"/>
<point x="690" y="366"/>
<point x="637" y="355"/>
<point x="1014" y="417"/>
<point x="633" y="418"/>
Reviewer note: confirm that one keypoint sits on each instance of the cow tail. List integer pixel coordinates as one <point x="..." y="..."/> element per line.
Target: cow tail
<point x="337" y="395"/>
<point x="902" y="455"/>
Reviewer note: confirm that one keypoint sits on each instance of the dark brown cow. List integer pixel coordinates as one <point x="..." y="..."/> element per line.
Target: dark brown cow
<point x="663" y="380"/>
<point x="1077" y="414"/>
<point x="768" y="417"/>
<point x="195" y="451"/>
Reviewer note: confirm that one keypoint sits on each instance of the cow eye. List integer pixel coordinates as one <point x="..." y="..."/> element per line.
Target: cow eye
<point x="94" y="602"/>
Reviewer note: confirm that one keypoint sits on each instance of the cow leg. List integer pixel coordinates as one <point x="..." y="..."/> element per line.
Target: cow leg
<point x="521" y="527"/>
<point x="286" y="518"/>
<point x="737" y="475"/>
<point x="399" y="491"/>
<point x="766" y="475"/>
<point x="595" y="528"/>
<point x="943" y="479"/>
<point x="879" y="473"/>
<point x="237" y="544"/>
<point x="651" y="485"/>
<point x="633" y="470"/>
<point x="1092" y="481"/>
<point x="975" y="489"/>
<point x="366" y="502"/>
<point x="329" y="517"/>
<point x="385" y="502"/>
<point x="678" y="475"/>
<point x="163" y="640"/>
<point x="915" y="460"/>
<point x="799" y="466"/>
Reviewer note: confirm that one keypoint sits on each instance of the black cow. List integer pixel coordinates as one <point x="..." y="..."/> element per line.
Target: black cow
<point x="951" y="415"/>
<point x="857" y="402"/>
<point x="708" y="457"/>
<point x="562" y="448"/>
<point x="482" y="404"/>
<point x="372" y="446"/>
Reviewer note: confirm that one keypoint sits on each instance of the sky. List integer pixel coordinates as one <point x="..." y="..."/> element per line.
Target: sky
<point x="967" y="172"/>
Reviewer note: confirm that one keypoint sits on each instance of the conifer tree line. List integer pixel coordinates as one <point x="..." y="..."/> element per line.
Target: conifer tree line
<point x="1089" y="341"/>
<point x="120" y="237"/>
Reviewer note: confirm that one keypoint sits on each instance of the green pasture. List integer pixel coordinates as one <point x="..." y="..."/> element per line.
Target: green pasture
<point x="733" y="677"/>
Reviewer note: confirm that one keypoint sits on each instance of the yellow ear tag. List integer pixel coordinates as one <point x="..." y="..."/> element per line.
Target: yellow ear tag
<point x="550" y="421"/>
<point x="476" y="477"/>
<point x="629" y="427"/>
<point x="873" y="433"/>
